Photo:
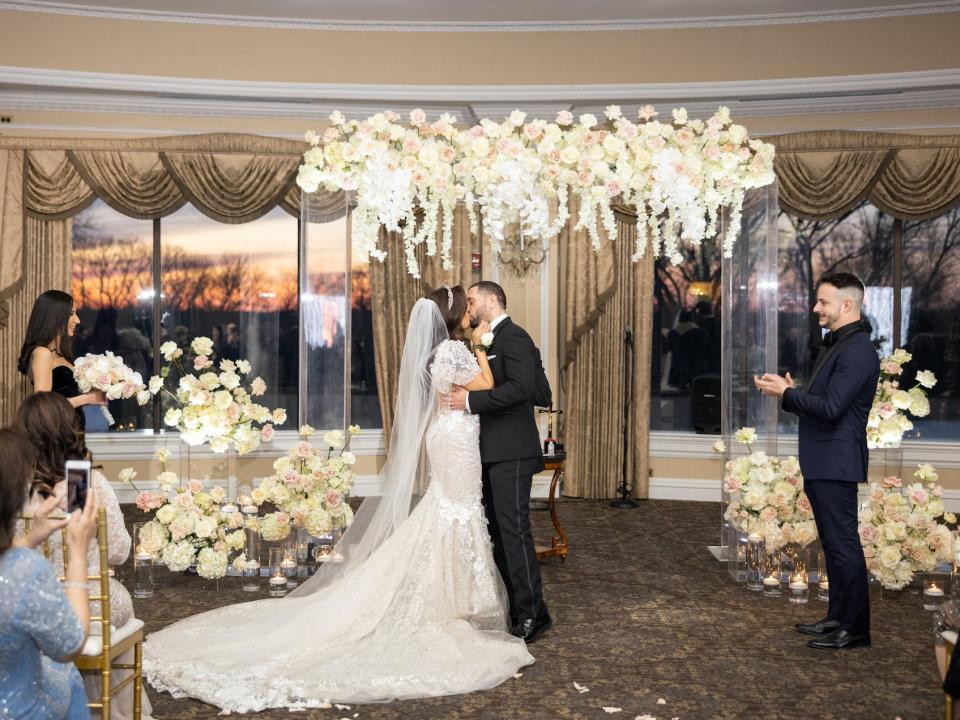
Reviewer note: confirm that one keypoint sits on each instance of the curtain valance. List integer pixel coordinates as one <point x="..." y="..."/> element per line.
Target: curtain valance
<point x="823" y="174"/>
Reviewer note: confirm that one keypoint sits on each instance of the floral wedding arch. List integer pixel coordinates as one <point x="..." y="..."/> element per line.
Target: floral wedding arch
<point x="678" y="175"/>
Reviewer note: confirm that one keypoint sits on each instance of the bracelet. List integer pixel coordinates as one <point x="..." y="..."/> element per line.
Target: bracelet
<point x="480" y="347"/>
<point x="76" y="585"/>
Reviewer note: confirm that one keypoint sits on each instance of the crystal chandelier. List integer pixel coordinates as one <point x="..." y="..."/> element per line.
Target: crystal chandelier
<point x="518" y="254"/>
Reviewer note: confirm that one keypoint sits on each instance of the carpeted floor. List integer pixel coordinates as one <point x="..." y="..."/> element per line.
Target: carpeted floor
<point x="643" y="612"/>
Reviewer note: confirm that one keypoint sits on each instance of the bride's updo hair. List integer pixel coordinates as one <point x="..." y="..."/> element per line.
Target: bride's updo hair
<point x="452" y="312"/>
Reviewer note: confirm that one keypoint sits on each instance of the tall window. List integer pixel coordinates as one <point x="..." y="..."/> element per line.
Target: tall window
<point x="237" y="284"/>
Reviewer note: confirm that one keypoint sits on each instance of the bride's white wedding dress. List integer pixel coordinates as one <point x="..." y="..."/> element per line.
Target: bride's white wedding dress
<point x="423" y="614"/>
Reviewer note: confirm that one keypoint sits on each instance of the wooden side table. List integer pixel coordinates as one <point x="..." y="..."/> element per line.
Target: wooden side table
<point x="560" y="545"/>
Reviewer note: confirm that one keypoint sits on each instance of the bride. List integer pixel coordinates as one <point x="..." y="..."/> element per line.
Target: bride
<point x="417" y="608"/>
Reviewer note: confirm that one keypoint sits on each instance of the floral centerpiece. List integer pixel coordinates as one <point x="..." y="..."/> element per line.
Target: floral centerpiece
<point x="904" y="529"/>
<point x="310" y="486"/>
<point x="678" y="175"/>
<point x="109" y="374"/>
<point x="767" y="497"/>
<point x="214" y="407"/>
<point x="191" y="526"/>
<point x="888" y="421"/>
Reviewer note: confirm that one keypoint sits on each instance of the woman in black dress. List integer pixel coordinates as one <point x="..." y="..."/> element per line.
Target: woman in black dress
<point x="46" y="357"/>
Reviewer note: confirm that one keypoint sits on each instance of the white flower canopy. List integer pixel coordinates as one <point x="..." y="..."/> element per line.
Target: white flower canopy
<point x="677" y="175"/>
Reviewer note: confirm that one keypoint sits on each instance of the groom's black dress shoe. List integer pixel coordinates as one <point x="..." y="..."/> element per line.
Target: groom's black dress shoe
<point x="823" y="627"/>
<point x="533" y="628"/>
<point x="840" y="640"/>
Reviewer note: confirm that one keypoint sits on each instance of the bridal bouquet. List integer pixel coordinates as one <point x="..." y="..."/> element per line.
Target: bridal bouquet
<point x="191" y="526"/>
<point x="678" y="174"/>
<point x="215" y="407"/>
<point x="109" y="374"/>
<point x="904" y="530"/>
<point x="767" y="497"/>
<point x="888" y="421"/>
<point x="310" y="486"/>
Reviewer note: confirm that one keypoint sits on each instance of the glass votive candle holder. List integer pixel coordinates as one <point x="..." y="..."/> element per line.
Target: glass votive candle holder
<point x="934" y="591"/>
<point x="755" y="553"/>
<point x="142" y="565"/>
<point x="799" y="589"/>
<point x="771" y="575"/>
<point x="251" y="576"/>
<point x="278" y="578"/>
<point x="289" y="564"/>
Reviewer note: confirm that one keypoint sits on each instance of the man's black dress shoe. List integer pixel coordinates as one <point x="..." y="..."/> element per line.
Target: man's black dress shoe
<point x="840" y="640"/>
<point x="822" y="627"/>
<point x="533" y="628"/>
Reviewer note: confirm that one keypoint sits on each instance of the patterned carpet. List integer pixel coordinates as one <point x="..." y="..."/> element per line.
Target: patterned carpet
<point x="643" y="612"/>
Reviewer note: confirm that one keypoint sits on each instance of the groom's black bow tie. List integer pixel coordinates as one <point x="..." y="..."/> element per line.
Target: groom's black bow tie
<point x="832" y="338"/>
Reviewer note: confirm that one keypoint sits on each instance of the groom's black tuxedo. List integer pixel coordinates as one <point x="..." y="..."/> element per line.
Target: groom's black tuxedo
<point x="511" y="454"/>
<point x="508" y="427"/>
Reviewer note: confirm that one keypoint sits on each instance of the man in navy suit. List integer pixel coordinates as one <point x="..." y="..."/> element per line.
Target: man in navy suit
<point x="833" y="453"/>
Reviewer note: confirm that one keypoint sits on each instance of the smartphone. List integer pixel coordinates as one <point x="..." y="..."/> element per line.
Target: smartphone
<point x="78" y="482"/>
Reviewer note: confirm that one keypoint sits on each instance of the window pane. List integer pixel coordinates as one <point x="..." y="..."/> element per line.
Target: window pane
<point x="686" y="334"/>
<point x="364" y="405"/>
<point x="930" y="320"/>
<point x="859" y="241"/>
<point x="238" y="285"/>
<point x="112" y="286"/>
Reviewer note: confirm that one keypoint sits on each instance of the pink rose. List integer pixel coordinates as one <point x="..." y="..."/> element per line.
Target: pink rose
<point x="732" y="484"/>
<point x="103" y="380"/>
<point x="333" y="499"/>
<point x="613" y="188"/>
<point x="532" y="131"/>
<point x="892" y="482"/>
<point x="304" y="449"/>
<point x="868" y="534"/>
<point x="219" y="546"/>
<point x="417" y="117"/>
<point x="585" y="178"/>
<point x="411" y="144"/>
<point x="196" y="486"/>
<point x="282" y="518"/>
<point x="656" y="143"/>
<point x="892" y="368"/>
<point x="768" y="514"/>
<point x="201" y="362"/>
<point x="590" y="138"/>
<point x="266" y="433"/>
<point x="290" y="477"/>
<point x="919" y="496"/>
<point x="803" y="504"/>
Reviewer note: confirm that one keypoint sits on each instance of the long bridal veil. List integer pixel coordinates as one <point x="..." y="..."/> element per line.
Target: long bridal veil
<point x="380" y="516"/>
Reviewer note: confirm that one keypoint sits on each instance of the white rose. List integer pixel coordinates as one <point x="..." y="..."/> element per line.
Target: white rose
<point x="172" y="417"/>
<point x="349" y="458"/>
<point x="746" y="436"/>
<point x="926" y="378"/>
<point x="127" y="475"/>
<point x="588" y="120"/>
<point x="719" y="447"/>
<point x="613" y="112"/>
<point x="170" y="351"/>
<point x="202" y="346"/>
<point x="143" y="397"/>
<point x="487" y="339"/>
<point x="517" y="117"/>
<point x="680" y="116"/>
<point x="229" y="380"/>
<point x="166" y="514"/>
<point x="334" y="438"/>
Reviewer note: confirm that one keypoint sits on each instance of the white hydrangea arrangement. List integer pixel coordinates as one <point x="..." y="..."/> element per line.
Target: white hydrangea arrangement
<point x="905" y="529"/>
<point x="766" y="496"/>
<point x="213" y="407"/>
<point x="678" y="174"/>
<point x="888" y="421"/>
<point x="309" y="487"/>
<point x="190" y="526"/>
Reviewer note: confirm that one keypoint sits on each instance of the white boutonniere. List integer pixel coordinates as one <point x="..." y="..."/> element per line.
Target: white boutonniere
<point x="486" y="340"/>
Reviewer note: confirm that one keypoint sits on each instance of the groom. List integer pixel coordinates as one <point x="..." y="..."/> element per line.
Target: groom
<point x="510" y="452"/>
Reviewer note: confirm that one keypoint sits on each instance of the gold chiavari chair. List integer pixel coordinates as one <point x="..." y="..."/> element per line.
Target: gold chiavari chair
<point x="100" y="652"/>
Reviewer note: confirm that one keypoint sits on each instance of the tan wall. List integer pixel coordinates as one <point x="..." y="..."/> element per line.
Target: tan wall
<point x="893" y="44"/>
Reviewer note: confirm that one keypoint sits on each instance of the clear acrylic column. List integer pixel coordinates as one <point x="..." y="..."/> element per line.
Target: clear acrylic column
<point x="749" y="347"/>
<point x="325" y="309"/>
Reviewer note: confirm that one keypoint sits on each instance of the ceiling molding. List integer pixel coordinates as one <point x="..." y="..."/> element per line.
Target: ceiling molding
<point x="114" y="13"/>
<point x="73" y="91"/>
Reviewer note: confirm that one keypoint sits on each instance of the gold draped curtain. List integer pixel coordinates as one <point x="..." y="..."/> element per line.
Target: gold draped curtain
<point x="821" y="175"/>
<point x="393" y="294"/>
<point x="606" y="293"/>
<point x="45" y="182"/>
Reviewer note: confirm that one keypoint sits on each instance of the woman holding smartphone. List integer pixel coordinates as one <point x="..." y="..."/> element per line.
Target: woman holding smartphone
<point x="43" y="623"/>
<point x="50" y="422"/>
<point x="46" y="357"/>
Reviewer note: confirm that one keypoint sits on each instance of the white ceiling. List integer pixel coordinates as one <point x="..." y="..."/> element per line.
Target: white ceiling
<point x="487" y="14"/>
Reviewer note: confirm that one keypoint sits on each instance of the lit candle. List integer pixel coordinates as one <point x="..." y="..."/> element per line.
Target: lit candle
<point x="771" y="580"/>
<point x="933" y="591"/>
<point x="278" y="580"/>
<point x="288" y="563"/>
<point x="250" y="509"/>
<point x="824" y="584"/>
<point x="141" y="554"/>
<point x="798" y="583"/>
<point x="754" y="537"/>
<point x="229" y="509"/>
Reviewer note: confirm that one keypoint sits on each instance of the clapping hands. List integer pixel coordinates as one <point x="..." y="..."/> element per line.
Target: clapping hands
<point x="773" y="384"/>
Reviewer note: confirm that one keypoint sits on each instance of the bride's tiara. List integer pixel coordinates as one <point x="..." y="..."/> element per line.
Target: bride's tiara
<point x="449" y="298"/>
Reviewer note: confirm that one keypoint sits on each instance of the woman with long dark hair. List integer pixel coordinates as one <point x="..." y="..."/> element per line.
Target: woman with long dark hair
<point x="46" y="357"/>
